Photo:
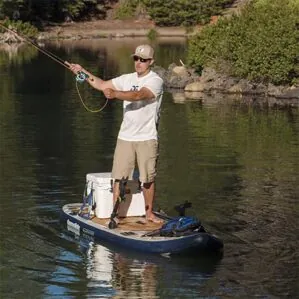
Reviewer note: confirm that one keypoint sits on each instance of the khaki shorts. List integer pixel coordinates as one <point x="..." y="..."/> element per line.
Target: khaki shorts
<point x="128" y="152"/>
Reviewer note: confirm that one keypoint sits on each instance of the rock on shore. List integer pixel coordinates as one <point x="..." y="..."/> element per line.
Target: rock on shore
<point x="186" y="80"/>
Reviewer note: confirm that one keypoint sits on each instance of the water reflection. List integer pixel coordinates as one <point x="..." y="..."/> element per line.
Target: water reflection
<point x="237" y="162"/>
<point x="114" y="272"/>
<point x="117" y="52"/>
<point x="16" y="53"/>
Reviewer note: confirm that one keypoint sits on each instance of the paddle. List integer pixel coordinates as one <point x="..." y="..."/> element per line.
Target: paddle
<point x="181" y="209"/>
<point x="122" y="191"/>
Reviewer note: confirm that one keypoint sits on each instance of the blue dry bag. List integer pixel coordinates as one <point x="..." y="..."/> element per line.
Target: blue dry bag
<point x="180" y="226"/>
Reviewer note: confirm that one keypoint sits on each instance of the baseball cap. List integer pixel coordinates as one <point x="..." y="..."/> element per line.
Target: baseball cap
<point x="144" y="51"/>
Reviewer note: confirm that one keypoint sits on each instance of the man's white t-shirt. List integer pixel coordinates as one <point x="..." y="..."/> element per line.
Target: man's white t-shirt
<point x="140" y="117"/>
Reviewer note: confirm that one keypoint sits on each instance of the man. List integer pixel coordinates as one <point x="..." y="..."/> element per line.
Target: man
<point x="141" y="93"/>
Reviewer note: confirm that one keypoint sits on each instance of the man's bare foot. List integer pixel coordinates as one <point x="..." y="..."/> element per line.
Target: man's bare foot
<point x="152" y="218"/>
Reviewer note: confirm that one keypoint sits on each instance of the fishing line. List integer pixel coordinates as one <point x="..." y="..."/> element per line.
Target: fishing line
<point x="84" y="105"/>
<point x="80" y="77"/>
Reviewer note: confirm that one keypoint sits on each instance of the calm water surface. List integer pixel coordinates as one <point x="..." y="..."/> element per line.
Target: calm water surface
<point x="236" y="162"/>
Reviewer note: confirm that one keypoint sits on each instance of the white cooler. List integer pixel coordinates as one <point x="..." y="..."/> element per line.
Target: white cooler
<point x="102" y="184"/>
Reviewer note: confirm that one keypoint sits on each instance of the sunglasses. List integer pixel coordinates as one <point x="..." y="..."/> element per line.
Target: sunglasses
<point x="136" y="58"/>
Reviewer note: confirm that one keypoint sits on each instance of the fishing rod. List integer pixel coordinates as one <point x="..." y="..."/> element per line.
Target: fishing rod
<point x="29" y="41"/>
<point x="80" y="77"/>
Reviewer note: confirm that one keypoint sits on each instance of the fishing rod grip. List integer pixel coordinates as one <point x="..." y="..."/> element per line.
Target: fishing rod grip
<point x="67" y="64"/>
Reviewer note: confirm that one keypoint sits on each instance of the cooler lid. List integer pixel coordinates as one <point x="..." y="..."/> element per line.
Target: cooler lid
<point x="99" y="178"/>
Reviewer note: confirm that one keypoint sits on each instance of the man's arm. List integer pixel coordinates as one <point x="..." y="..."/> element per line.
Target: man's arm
<point x="130" y="96"/>
<point x="93" y="80"/>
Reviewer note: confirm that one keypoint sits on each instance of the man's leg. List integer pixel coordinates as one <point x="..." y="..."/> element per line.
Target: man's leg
<point x="115" y="191"/>
<point x="123" y="164"/>
<point x="147" y="153"/>
<point x="148" y="194"/>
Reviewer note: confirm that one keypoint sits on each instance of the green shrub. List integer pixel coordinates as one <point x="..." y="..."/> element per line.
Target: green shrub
<point x="183" y="12"/>
<point x="126" y="9"/>
<point x="43" y="11"/>
<point x="152" y="34"/>
<point x="24" y="28"/>
<point x="260" y="44"/>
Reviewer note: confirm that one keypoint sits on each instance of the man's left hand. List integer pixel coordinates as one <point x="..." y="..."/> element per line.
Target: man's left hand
<point x="109" y="93"/>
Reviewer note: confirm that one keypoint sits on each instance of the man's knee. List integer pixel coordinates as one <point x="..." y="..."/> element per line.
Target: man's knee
<point x="147" y="185"/>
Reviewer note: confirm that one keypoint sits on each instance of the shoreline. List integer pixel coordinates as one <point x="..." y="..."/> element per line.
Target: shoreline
<point x="116" y="29"/>
<point x="110" y="29"/>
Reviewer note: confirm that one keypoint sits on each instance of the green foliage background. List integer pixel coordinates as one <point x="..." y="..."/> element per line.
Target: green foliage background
<point x="173" y="13"/>
<point x="184" y="12"/>
<point x="39" y="11"/>
<point x="260" y="44"/>
<point x="164" y="13"/>
<point x="25" y="28"/>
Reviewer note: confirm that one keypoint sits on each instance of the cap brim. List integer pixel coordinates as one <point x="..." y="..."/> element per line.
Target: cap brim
<point x="132" y="55"/>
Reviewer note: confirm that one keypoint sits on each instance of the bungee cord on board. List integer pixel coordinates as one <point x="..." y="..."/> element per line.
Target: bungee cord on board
<point x="80" y="77"/>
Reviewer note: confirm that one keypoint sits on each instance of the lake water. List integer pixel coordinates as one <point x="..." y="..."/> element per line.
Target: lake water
<point x="237" y="162"/>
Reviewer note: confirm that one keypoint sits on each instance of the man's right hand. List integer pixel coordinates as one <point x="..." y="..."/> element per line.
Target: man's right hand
<point x="75" y="68"/>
